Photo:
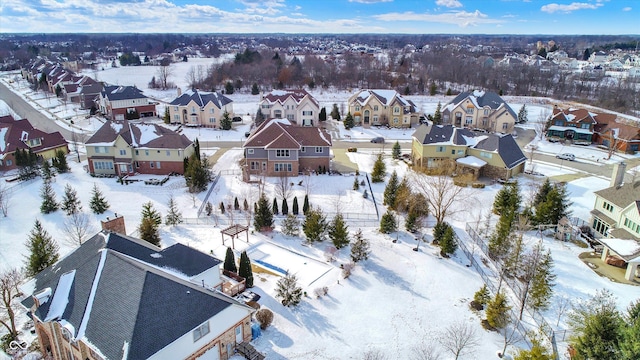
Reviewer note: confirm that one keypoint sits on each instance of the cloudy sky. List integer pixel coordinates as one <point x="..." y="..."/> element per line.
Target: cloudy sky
<point x="323" y="16"/>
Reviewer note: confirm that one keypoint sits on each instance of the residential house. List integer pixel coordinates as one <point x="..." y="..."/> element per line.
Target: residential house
<point x="124" y="102"/>
<point x="616" y="215"/>
<point x="297" y="106"/>
<point x="280" y="147"/>
<point x="484" y="110"/>
<point x="490" y="155"/>
<point x="199" y="108"/>
<point x="82" y="90"/>
<point x="574" y="125"/>
<point x="20" y="134"/>
<point x="382" y="107"/>
<point x="117" y="297"/>
<point x="620" y="136"/>
<point x="125" y="148"/>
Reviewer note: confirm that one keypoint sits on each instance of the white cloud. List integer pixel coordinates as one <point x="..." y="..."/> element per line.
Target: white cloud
<point x="370" y="1"/>
<point x="628" y="8"/>
<point x="449" y="3"/>
<point x="460" y="18"/>
<point x="551" y="8"/>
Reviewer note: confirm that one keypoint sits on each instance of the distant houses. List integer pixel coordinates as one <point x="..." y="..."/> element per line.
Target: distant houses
<point x="379" y="107"/>
<point x="199" y="108"/>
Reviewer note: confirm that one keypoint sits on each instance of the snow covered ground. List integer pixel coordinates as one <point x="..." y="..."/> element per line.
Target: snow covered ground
<point x="396" y="300"/>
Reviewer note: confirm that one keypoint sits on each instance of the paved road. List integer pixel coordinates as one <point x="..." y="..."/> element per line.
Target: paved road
<point x="26" y="110"/>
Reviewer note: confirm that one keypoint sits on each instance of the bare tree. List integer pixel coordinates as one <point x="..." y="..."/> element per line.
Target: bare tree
<point x="5" y="197"/>
<point x="283" y="186"/>
<point x="424" y="351"/>
<point x="9" y="281"/>
<point x="563" y="305"/>
<point x="308" y="184"/>
<point x="374" y="355"/>
<point x="510" y="336"/>
<point x="541" y="123"/>
<point x="459" y="338"/>
<point x="77" y="229"/>
<point x="440" y="192"/>
<point x="164" y="71"/>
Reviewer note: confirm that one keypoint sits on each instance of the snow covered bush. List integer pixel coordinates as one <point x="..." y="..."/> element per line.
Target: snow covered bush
<point x="264" y="317"/>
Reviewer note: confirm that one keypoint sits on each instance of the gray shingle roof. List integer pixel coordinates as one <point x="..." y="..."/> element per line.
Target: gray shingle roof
<point x="622" y="196"/>
<point x="115" y="92"/>
<point x="488" y="98"/>
<point x="139" y="135"/>
<point x="433" y="134"/>
<point x="201" y="98"/>
<point x="506" y="147"/>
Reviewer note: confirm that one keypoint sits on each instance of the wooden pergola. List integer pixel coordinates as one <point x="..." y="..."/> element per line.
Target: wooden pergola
<point x="233" y="231"/>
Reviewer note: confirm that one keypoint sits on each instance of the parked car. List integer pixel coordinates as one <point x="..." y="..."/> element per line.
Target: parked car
<point x="378" y="140"/>
<point x="237" y="119"/>
<point x="566" y="156"/>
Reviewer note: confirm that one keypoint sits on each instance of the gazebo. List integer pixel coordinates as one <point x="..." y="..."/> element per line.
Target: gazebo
<point x="233" y="231"/>
<point x="627" y="249"/>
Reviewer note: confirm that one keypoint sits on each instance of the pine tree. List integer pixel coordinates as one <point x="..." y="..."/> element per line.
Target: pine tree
<point x="410" y="223"/>
<point x="167" y="115"/>
<point x="149" y="212"/>
<point x="508" y="199"/>
<point x="230" y="261"/>
<point x="542" y="193"/>
<point x="222" y="207"/>
<point x="542" y="284"/>
<point x="60" y="162"/>
<point x="554" y="207"/>
<point x="148" y="231"/>
<point x="274" y="207"/>
<point x="630" y="334"/>
<point x="323" y="114"/>
<point x="288" y="290"/>
<point x="285" y="207"/>
<point x="379" y="170"/>
<point x="432" y="89"/>
<point x="228" y="88"/>
<point x="449" y="92"/>
<point x="335" y="113"/>
<point x="259" y="117"/>
<point x="255" y="90"/>
<point x="314" y="225"/>
<point x="196" y="174"/>
<point x="391" y="191"/>
<point x="523" y="114"/>
<point x="263" y="217"/>
<point x="537" y="352"/>
<point x="360" y="247"/>
<point x="388" y="223"/>
<point x="225" y="121"/>
<point x="236" y="204"/>
<point x="448" y="243"/>
<point x="437" y="116"/>
<point x="291" y="225"/>
<point x="482" y="296"/>
<point x="396" y="151"/>
<point x="245" y="205"/>
<point x="498" y="312"/>
<point x="305" y="205"/>
<point x="46" y="172"/>
<point x="49" y="203"/>
<point x="43" y="250"/>
<point x="349" y="122"/>
<point x="295" y="206"/>
<point x="438" y="231"/>
<point x="174" y="217"/>
<point x="499" y="244"/>
<point x="245" y="270"/>
<point x="339" y="232"/>
<point x="70" y="202"/>
<point x="356" y="184"/>
<point x="98" y="204"/>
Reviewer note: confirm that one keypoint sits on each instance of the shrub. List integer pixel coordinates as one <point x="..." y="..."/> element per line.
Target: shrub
<point x="319" y="292"/>
<point x="346" y="270"/>
<point x="352" y="149"/>
<point x="477" y="185"/>
<point x="264" y="317"/>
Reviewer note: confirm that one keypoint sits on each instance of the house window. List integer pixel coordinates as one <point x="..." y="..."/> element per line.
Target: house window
<point x="193" y="110"/>
<point x="250" y="151"/>
<point x="290" y="117"/>
<point x="123" y="152"/>
<point x="486" y="111"/>
<point x="212" y="120"/>
<point x="600" y="226"/>
<point x="282" y="153"/>
<point x="254" y="165"/>
<point x="151" y="164"/>
<point x="441" y="149"/>
<point x="103" y="165"/>
<point x="212" y="111"/>
<point x="453" y="152"/>
<point x="137" y="164"/>
<point x="277" y="114"/>
<point x="357" y="108"/>
<point x="558" y="123"/>
<point x="303" y="149"/>
<point x="318" y="149"/>
<point x="585" y="126"/>
<point x="375" y="107"/>
<point x="200" y="331"/>
<point x="137" y="152"/>
<point x="375" y="119"/>
<point x="9" y="162"/>
<point x="158" y="164"/>
<point x="395" y="120"/>
<point x="485" y="121"/>
<point x="470" y="110"/>
<point x="505" y="126"/>
<point x="34" y="142"/>
<point x="101" y="150"/>
<point x="146" y="152"/>
<point x="176" y="117"/>
<point x="279" y="167"/>
<point x="607" y="206"/>
<point x="307" y="113"/>
<point x="194" y="119"/>
<point x="468" y="120"/>
<point x="396" y="109"/>
<point x="486" y="155"/>
<point x="168" y="152"/>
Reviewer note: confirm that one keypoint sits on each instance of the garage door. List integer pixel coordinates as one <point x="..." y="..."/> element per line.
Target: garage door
<point x="211" y="354"/>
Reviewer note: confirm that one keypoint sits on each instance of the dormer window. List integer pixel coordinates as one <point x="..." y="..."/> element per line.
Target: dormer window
<point x="34" y="142"/>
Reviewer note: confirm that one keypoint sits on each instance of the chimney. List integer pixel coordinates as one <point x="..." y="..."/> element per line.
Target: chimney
<point x="617" y="177"/>
<point x="114" y="225"/>
<point x="179" y="92"/>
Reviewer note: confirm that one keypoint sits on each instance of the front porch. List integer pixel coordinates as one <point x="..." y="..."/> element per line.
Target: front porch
<point x="576" y="136"/>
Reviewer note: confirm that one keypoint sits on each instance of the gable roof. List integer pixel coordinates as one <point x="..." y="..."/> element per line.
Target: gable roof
<point x="282" y="134"/>
<point x="201" y="98"/>
<point x="574" y="115"/>
<point x="386" y="98"/>
<point x="443" y="134"/>
<point x="481" y="99"/>
<point x="622" y="196"/>
<point x="138" y="135"/>
<point x="112" y="300"/>
<point x="15" y="133"/>
<point x="505" y="146"/>
<point x="282" y="95"/>
<point x="115" y="92"/>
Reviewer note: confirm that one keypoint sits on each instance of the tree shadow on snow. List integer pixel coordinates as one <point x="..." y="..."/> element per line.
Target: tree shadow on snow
<point x="389" y="276"/>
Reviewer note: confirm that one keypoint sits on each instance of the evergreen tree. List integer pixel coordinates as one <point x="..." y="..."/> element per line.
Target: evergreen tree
<point x="222" y="207"/>
<point x="60" y="162"/>
<point x="339" y="232"/>
<point x="274" y="207"/>
<point x="149" y="212"/>
<point x="148" y="231"/>
<point x="523" y="114"/>
<point x="586" y="55"/>
<point x="432" y="89"/>
<point x="542" y="284"/>
<point x="482" y="296"/>
<point x="542" y="193"/>
<point x="508" y="199"/>
<point x="335" y="113"/>
<point x="291" y="225"/>
<point x="537" y="352"/>
<point x="285" y="207"/>
<point x="245" y="206"/>
<point x="46" y="172"/>
<point x="263" y="217"/>
<point x="449" y="92"/>
<point x="305" y="205"/>
<point x="288" y="290"/>
<point x="356" y="184"/>
<point x="259" y="117"/>
<point x="225" y="121"/>
<point x="542" y="52"/>
<point x="43" y="250"/>
<point x="499" y="244"/>
<point x="448" y="243"/>
<point x="245" y="270"/>
<point x="174" y="217"/>
<point x="498" y="312"/>
<point x="360" y="247"/>
<point x="98" y="204"/>
<point x="388" y="223"/>
<point x="630" y="337"/>
<point x="396" y="151"/>
<point x="236" y="204"/>
<point x="295" y="206"/>
<point x="70" y="202"/>
<point x="437" y="116"/>
<point x="554" y="207"/>
<point x="410" y="223"/>
<point x="196" y="174"/>
<point x="49" y="203"/>
<point x="314" y="225"/>
<point x="379" y="170"/>
<point x="255" y="90"/>
<point x="167" y="115"/>
<point x="391" y="191"/>
<point x="438" y="231"/>
<point x="228" y="88"/>
<point x="196" y="149"/>
<point x="349" y="122"/>
<point x="323" y="114"/>
<point x="230" y="261"/>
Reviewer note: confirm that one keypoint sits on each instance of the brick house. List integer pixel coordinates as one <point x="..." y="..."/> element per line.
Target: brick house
<point x="199" y="108"/>
<point x="624" y="137"/>
<point x="278" y="147"/>
<point x="574" y="125"/>
<point x="125" y="148"/>
<point x="490" y="155"/>
<point x="20" y="134"/>
<point x="112" y="298"/>
<point x="116" y="101"/>
<point x="480" y="110"/>
<point x="382" y="107"/>
<point x="297" y="106"/>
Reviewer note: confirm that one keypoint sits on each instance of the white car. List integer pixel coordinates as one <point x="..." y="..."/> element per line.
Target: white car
<point x="566" y="156"/>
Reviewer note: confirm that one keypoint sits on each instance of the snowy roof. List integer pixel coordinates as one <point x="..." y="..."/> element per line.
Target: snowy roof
<point x="385" y="96"/>
<point x="15" y="133"/>
<point x="626" y="248"/>
<point x="282" y="134"/>
<point x="481" y="99"/>
<point x="471" y="161"/>
<point x="201" y="98"/>
<point x="138" y="135"/>
<point x="115" y="92"/>
<point x="282" y="95"/>
<point x="565" y="128"/>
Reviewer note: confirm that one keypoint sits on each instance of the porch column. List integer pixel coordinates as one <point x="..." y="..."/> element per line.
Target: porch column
<point x="632" y="267"/>
<point x="605" y="253"/>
